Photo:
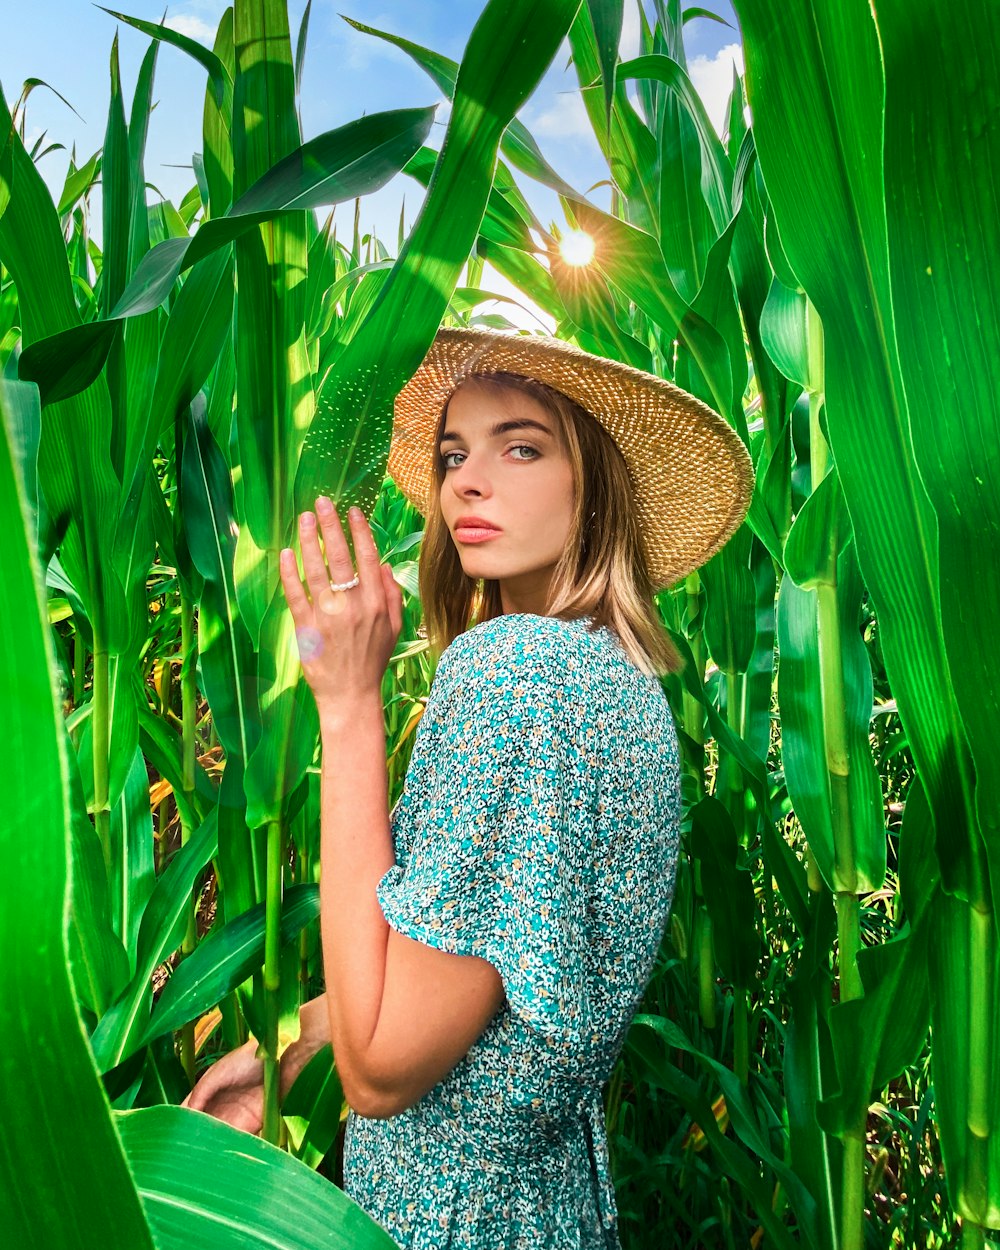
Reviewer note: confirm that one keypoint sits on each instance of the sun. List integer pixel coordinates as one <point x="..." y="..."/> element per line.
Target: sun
<point x="577" y="248"/>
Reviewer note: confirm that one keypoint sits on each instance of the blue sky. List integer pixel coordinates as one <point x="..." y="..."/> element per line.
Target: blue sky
<point x="68" y="42"/>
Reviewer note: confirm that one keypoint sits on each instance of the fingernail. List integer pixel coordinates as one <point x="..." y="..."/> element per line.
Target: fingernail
<point x="308" y="520"/>
<point x="323" y="504"/>
<point x="356" y="513"/>
<point x="287" y="556"/>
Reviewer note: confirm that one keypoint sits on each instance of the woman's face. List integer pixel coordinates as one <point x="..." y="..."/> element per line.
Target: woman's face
<point x="505" y="464"/>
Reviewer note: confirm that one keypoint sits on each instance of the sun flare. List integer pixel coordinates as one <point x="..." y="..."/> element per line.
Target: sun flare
<point x="577" y="248"/>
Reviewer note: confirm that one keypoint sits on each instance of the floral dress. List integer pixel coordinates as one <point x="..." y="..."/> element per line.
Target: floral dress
<point x="538" y="829"/>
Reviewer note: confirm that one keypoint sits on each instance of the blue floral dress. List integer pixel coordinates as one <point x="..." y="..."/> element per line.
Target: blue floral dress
<point x="538" y="829"/>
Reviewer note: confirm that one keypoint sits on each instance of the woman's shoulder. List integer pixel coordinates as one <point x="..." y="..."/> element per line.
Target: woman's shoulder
<point x="516" y="645"/>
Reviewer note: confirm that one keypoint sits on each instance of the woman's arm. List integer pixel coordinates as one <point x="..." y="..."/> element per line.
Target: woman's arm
<point x="400" y="1014"/>
<point x="356" y="851"/>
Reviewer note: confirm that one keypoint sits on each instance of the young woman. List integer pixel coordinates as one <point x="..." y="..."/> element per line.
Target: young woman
<point x="487" y="944"/>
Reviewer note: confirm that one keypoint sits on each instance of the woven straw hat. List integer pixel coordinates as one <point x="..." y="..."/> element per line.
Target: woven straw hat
<point x="691" y="473"/>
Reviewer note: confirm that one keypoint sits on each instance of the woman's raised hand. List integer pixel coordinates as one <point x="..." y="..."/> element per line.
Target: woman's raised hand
<point x="346" y="637"/>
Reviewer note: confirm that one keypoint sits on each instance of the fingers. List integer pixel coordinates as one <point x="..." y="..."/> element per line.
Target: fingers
<point x="333" y="562"/>
<point x="298" y="601"/>
<point x="394" y="598"/>
<point x="364" y="543"/>
<point x="334" y="541"/>
<point x="313" y="560"/>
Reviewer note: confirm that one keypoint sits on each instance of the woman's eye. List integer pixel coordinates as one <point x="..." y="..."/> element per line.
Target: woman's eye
<point x="516" y="447"/>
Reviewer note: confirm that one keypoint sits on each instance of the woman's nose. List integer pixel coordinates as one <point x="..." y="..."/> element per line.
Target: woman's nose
<point x="469" y="476"/>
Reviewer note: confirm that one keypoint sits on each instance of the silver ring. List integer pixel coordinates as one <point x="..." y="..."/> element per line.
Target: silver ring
<point x="346" y="585"/>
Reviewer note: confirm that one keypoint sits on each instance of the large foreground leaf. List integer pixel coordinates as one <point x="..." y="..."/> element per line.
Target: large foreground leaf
<point x="942" y="179"/>
<point x="58" y="1136"/>
<point x="818" y="134"/>
<point x="204" y="1183"/>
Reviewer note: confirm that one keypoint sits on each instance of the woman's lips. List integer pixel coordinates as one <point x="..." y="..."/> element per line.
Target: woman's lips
<point x="475" y="534"/>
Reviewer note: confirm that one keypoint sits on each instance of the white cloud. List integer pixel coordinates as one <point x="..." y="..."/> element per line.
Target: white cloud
<point x="629" y="45"/>
<point x="563" y="117"/>
<point x="193" y="27"/>
<point x="713" y="80"/>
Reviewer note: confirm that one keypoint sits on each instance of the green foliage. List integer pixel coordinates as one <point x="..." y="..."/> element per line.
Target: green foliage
<point x="820" y="279"/>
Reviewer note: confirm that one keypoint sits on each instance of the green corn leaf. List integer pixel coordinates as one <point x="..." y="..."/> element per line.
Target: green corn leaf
<point x="46" y="1069"/>
<point x="161" y="745"/>
<point x="730" y="627"/>
<point x="716" y="175"/>
<point x="819" y="141"/>
<point x="199" y="323"/>
<point x="505" y="223"/>
<point x="728" y="891"/>
<point x="819" y="550"/>
<point x="79" y="182"/>
<point x="217" y="125"/>
<point x="300" y="50"/>
<point x="100" y="965"/>
<point x="606" y="18"/>
<point x="942" y="166"/>
<point x="517" y="143"/>
<point x="221" y="80"/>
<point x="745" y="1120"/>
<point x="629" y="147"/>
<point x="161" y="931"/>
<point x="138" y="131"/>
<point x="208" y="521"/>
<point x="338" y="165"/>
<point x="204" y="1183"/>
<point x="875" y="1037"/>
<point x="132" y="876"/>
<point x="75" y="472"/>
<point x="783" y="331"/>
<point x="312" y="1108"/>
<point x="781" y="859"/>
<point x="226" y="958"/>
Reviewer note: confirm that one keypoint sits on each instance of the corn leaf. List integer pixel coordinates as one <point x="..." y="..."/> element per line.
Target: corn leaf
<point x="819" y="139"/>
<point x="226" y="958"/>
<point x="46" y="1069"/>
<point x="75" y="473"/>
<point x="204" y="1182"/>
<point x="161" y="930"/>
<point x="338" y="165"/>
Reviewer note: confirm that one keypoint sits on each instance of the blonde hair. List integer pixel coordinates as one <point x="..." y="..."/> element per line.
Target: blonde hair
<point x="602" y="572"/>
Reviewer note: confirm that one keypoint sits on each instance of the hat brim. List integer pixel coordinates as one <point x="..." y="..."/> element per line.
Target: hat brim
<point x="692" y="476"/>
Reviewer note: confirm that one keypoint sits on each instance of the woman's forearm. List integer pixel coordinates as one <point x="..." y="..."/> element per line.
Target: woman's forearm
<point x="356" y="852"/>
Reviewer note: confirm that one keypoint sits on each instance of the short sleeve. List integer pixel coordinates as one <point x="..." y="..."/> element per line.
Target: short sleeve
<point x="493" y="869"/>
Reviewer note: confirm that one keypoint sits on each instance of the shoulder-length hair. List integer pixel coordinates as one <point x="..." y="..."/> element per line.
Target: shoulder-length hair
<point x="602" y="572"/>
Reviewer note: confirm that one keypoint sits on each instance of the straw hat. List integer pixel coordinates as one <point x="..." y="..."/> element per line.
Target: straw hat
<point x="691" y="473"/>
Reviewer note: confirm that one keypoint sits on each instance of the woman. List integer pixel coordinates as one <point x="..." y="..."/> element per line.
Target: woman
<point x="487" y="945"/>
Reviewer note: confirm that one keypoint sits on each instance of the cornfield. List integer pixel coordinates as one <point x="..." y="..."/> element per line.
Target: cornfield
<point x="817" y="1059"/>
